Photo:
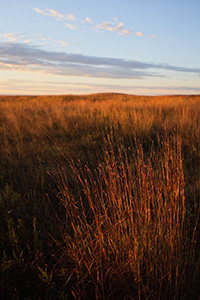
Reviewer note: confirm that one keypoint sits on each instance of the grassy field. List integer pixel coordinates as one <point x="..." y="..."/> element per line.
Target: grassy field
<point x="99" y="197"/>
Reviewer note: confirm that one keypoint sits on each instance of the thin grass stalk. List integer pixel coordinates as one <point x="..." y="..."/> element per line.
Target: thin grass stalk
<point x="135" y="220"/>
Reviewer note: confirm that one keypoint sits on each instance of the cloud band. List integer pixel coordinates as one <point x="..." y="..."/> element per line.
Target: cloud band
<point x="31" y="58"/>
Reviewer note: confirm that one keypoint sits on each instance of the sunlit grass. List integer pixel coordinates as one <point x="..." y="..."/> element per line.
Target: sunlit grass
<point x="127" y="225"/>
<point x="100" y="197"/>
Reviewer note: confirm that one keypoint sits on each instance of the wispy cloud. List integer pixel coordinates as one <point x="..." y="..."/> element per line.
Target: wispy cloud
<point x="62" y="43"/>
<point x="112" y="26"/>
<point x="13" y="37"/>
<point x="139" y="33"/>
<point x="25" y="39"/>
<point x="70" y="26"/>
<point x="55" y="14"/>
<point x="30" y="58"/>
<point x="87" y="20"/>
<point x="47" y="40"/>
<point x="117" y="27"/>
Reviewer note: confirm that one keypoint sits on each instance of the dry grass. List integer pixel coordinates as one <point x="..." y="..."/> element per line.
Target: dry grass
<point x="118" y="216"/>
<point x="126" y="234"/>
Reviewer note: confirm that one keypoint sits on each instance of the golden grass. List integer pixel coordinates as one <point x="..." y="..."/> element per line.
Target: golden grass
<point x="127" y="225"/>
<point x="120" y="208"/>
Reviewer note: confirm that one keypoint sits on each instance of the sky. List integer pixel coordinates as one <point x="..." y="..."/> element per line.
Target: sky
<point x="146" y="47"/>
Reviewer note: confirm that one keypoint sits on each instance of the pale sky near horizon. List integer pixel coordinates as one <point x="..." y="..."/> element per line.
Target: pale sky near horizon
<point x="144" y="47"/>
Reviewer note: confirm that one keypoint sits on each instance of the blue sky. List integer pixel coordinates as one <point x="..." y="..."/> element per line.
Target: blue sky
<point x="81" y="47"/>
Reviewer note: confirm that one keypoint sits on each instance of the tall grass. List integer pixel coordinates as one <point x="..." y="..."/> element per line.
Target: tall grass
<point x="99" y="197"/>
<point x="126" y="234"/>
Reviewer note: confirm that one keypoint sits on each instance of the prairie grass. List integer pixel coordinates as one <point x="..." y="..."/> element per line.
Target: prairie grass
<point x="100" y="197"/>
<point x="126" y="234"/>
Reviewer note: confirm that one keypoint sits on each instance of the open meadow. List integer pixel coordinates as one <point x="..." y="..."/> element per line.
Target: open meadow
<point x="99" y="197"/>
